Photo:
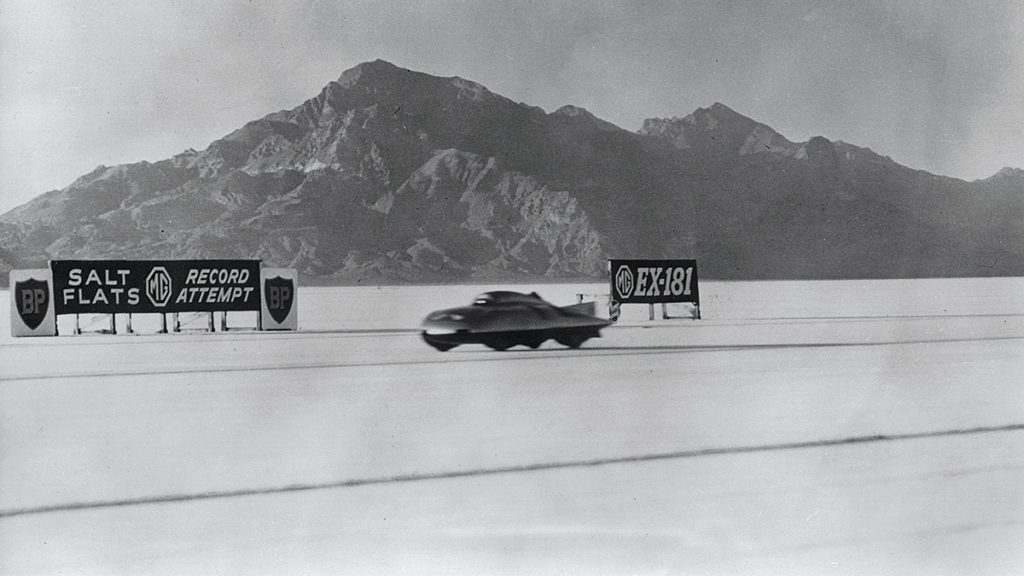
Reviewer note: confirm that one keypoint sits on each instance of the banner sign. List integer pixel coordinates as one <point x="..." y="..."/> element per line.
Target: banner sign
<point x="654" y="281"/>
<point x="32" y="311"/>
<point x="154" y="286"/>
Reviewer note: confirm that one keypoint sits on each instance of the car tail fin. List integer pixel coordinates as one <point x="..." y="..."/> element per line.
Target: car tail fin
<point x="586" y="308"/>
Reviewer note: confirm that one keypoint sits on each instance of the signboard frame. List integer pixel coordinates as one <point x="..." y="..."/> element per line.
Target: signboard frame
<point x="647" y="281"/>
<point x="76" y="287"/>
<point x="155" y="286"/>
<point x="280" y="301"/>
<point x="32" y="307"/>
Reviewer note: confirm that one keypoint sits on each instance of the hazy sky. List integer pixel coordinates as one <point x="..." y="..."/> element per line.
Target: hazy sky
<point x="935" y="85"/>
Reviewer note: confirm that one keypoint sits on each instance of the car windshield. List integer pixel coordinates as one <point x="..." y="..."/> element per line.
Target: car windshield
<point x="483" y="300"/>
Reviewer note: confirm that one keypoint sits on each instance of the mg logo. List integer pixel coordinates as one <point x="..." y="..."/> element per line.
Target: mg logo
<point x="158" y="286"/>
<point x="624" y="283"/>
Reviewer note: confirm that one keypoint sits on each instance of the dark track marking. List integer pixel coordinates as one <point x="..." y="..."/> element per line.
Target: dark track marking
<point x="514" y="469"/>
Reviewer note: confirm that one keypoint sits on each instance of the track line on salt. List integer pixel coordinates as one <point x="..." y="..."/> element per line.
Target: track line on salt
<point x="514" y="469"/>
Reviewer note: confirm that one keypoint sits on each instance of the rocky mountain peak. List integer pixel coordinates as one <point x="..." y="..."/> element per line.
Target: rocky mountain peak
<point x="717" y="115"/>
<point x="382" y="77"/>
<point x="1007" y="174"/>
<point x="583" y="117"/>
<point x="718" y="127"/>
<point x="820" y="152"/>
<point x="573" y="111"/>
<point x="375" y="72"/>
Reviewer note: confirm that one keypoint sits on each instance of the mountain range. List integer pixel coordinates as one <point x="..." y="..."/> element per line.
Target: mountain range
<point x="395" y="176"/>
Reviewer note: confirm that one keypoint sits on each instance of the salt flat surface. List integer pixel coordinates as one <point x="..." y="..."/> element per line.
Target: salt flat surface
<point x="798" y="428"/>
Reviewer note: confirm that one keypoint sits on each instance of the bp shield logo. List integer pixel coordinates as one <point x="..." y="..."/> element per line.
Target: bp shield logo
<point x="624" y="282"/>
<point x="279" y="293"/>
<point x="32" y="299"/>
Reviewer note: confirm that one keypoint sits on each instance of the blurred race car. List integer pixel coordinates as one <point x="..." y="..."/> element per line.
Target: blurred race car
<point x="504" y="319"/>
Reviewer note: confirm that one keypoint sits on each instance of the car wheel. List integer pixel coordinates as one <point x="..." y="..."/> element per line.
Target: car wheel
<point x="500" y="345"/>
<point x="573" y="339"/>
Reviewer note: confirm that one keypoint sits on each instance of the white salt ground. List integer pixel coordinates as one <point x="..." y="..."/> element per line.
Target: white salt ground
<point x="798" y="428"/>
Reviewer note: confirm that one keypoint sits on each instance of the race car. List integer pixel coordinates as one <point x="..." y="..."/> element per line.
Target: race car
<point x="503" y="319"/>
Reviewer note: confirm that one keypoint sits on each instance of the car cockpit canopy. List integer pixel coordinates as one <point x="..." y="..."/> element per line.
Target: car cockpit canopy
<point x="503" y="297"/>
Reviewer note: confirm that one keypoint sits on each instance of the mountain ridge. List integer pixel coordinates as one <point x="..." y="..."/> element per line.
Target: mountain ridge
<point x="390" y="175"/>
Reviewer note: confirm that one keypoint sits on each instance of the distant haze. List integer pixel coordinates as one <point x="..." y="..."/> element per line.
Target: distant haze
<point x="936" y="86"/>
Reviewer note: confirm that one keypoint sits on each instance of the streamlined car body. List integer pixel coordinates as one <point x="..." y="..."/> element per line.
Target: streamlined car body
<point x="504" y="319"/>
